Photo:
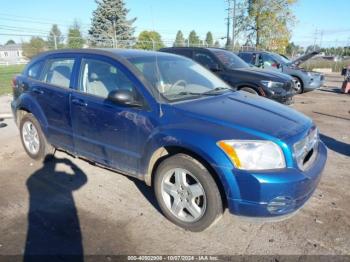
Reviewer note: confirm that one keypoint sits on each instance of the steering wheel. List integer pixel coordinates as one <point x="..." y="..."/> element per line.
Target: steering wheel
<point x="177" y="83"/>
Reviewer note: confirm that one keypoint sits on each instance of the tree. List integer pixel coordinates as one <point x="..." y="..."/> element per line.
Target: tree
<point x="312" y="48"/>
<point x="149" y="40"/>
<point x="110" y="23"/>
<point x="35" y="46"/>
<point x="179" y="40"/>
<point x="269" y="22"/>
<point x="55" y="38"/>
<point x="193" y="39"/>
<point x="10" y="42"/>
<point x="217" y="44"/>
<point x="209" y="39"/>
<point x="293" y="49"/>
<point x="75" y="37"/>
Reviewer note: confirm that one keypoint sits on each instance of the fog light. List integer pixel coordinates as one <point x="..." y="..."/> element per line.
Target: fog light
<point x="281" y="205"/>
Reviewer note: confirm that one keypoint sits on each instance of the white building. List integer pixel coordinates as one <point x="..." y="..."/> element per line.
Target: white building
<point x="11" y="54"/>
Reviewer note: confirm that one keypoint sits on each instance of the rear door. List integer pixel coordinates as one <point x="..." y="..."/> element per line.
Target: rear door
<point x="52" y="92"/>
<point x="105" y="131"/>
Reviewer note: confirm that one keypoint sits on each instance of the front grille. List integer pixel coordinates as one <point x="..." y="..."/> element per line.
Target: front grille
<point x="305" y="150"/>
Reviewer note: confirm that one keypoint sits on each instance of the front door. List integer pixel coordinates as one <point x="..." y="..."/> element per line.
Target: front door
<point x="105" y="131"/>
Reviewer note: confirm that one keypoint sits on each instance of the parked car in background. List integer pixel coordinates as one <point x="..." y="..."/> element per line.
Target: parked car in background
<point x="238" y="74"/>
<point x="170" y="122"/>
<point x="304" y="80"/>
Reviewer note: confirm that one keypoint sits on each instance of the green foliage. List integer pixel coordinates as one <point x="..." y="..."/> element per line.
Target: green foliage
<point x="336" y="51"/>
<point x="193" y="39"/>
<point x="55" y="38"/>
<point x="209" y="39"/>
<point x="10" y="42"/>
<point x="269" y="22"/>
<point x="322" y="63"/>
<point x="293" y="49"/>
<point x="75" y="37"/>
<point x="35" y="46"/>
<point x="110" y="23"/>
<point x="179" y="40"/>
<point x="149" y="40"/>
<point x="6" y="75"/>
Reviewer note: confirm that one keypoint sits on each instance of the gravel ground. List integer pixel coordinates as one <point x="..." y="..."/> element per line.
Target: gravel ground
<point x="100" y="212"/>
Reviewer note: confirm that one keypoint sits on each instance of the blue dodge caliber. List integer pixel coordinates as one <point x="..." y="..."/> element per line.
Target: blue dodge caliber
<point x="170" y="122"/>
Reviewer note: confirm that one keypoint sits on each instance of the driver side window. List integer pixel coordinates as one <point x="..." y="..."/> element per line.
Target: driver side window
<point x="99" y="78"/>
<point x="205" y="60"/>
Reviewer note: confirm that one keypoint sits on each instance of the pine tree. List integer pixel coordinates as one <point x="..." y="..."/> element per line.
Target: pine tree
<point x="75" y="38"/>
<point x="209" y="39"/>
<point x="193" y="39"/>
<point x="110" y="24"/>
<point x="179" y="40"/>
<point x="55" y="38"/>
<point x="217" y="44"/>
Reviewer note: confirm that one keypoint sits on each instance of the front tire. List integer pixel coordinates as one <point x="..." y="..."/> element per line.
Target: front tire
<point x="187" y="193"/>
<point x="249" y="90"/>
<point x="33" y="139"/>
<point x="298" y="85"/>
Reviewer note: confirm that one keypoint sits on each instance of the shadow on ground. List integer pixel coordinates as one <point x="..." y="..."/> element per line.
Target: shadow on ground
<point x="335" y="145"/>
<point x="54" y="232"/>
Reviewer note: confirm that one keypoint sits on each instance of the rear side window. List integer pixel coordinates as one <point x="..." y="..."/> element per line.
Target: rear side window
<point x="183" y="52"/>
<point x="247" y="57"/>
<point x="58" y="72"/>
<point x="34" y="70"/>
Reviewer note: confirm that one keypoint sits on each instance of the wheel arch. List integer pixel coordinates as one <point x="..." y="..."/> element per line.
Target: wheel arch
<point x="165" y="152"/>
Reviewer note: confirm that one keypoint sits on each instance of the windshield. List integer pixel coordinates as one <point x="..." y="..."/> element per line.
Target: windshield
<point x="281" y="59"/>
<point x="229" y="59"/>
<point x="177" y="78"/>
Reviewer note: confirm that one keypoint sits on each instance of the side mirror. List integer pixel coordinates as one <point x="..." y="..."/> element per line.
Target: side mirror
<point x="123" y="97"/>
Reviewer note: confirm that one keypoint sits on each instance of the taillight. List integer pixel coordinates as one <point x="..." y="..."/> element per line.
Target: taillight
<point x="14" y="83"/>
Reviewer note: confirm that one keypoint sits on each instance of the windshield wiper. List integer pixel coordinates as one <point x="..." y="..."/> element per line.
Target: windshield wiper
<point x="215" y="91"/>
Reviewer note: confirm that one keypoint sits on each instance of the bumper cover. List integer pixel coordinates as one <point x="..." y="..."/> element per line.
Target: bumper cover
<point x="290" y="188"/>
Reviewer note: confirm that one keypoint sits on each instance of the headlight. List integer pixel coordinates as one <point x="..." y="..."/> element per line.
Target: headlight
<point x="253" y="154"/>
<point x="271" y="84"/>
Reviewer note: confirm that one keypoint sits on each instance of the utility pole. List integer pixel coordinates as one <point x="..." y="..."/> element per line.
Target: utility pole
<point x="55" y="40"/>
<point x="315" y="39"/>
<point x="234" y="24"/>
<point x="228" y="24"/>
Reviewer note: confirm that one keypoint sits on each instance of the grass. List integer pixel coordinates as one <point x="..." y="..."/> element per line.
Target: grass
<point x="6" y="75"/>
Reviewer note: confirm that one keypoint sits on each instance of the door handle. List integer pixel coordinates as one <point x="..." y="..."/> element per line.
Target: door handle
<point x="38" y="91"/>
<point x="79" y="102"/>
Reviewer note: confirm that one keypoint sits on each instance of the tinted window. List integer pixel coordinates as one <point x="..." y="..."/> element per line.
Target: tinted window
<point x="229" y="59"/>
<point x="205" y="60"/>
<point x="35" y="70"/>
<point x="247" y="57"/>
<point x="183" y="52"/>
<point x="100" y="78"/>
<point x="58" y="71"/>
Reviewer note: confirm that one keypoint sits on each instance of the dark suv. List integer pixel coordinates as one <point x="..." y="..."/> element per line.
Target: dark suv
<point x="240" y="75"/>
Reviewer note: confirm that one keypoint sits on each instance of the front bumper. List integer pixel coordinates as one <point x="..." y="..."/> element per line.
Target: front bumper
<point x="314" y="83"/>
<point x="277" y="193"/>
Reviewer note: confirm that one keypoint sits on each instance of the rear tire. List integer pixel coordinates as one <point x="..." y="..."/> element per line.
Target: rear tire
<point x="249" y="90"/>
<point x="33" y="139"/>
<point x="187" y="193"/>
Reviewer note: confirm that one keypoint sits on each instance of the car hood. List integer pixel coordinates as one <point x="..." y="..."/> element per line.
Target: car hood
<point x="248" y="113"/>
<point x="264" y="74"/>
<point x="298" y="61"/>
